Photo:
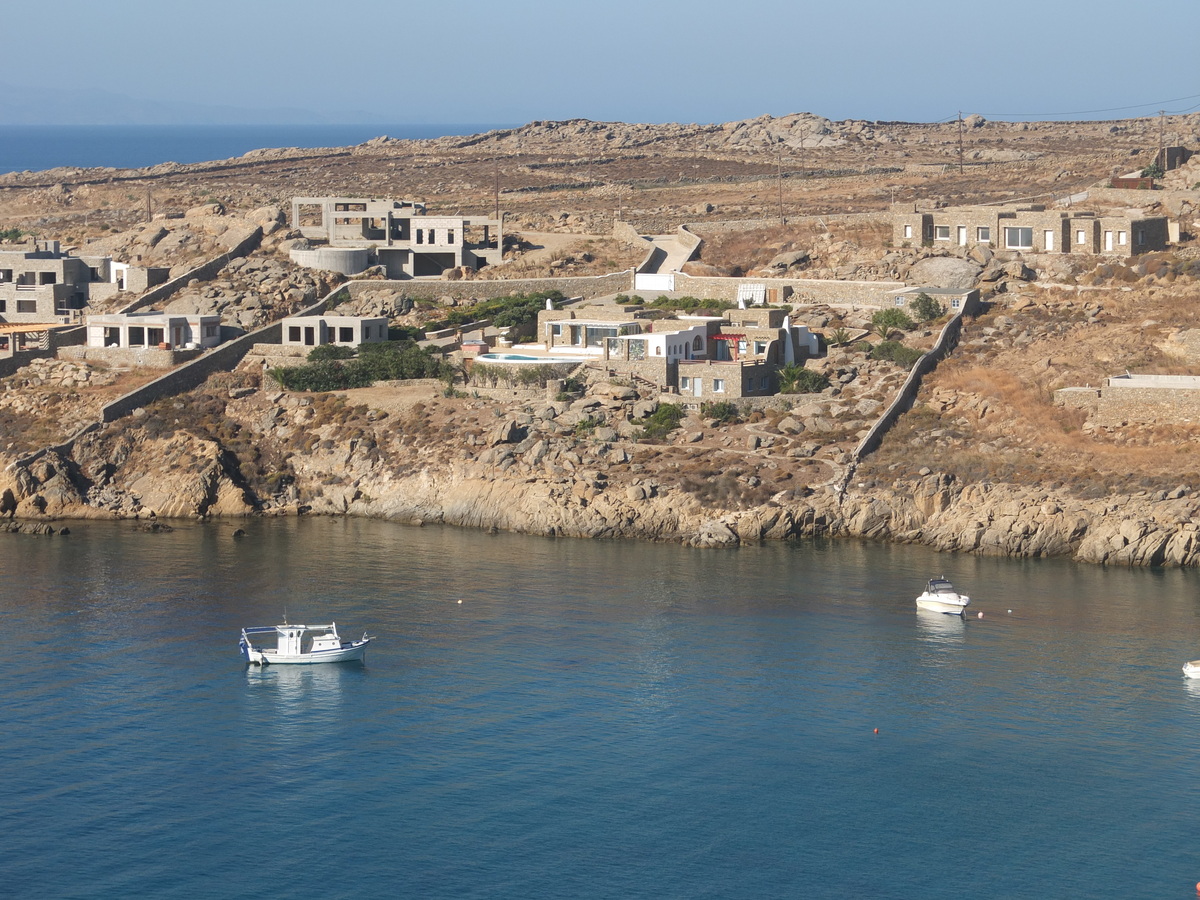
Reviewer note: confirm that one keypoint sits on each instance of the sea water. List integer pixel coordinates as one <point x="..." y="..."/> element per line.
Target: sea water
<point x="39" y="147"/>
<point x="571" y="718"/>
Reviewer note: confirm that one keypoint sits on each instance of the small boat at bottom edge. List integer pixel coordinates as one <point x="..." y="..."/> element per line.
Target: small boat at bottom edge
<point x="1192" y="669"/>
<point x="941" y="596"/>
<point x="301" y="645"/>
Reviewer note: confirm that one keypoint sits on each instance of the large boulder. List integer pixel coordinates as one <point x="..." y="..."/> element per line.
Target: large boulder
<point x="945" y="272"/>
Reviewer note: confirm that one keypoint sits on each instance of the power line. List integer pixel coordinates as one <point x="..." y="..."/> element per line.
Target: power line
<point x="1087" y="112"/>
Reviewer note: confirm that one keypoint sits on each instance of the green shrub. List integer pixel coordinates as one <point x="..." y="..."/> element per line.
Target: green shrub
<point x="723" y="411"/>
<point x="925" y="308"/>
<point x="885" y="321"/>
<point x="390" y="361"/>
<point x="661" y="423"/>
<point x="896" y="352"/>
<point x="795" y="379"/>
<point x="330" y="351"/>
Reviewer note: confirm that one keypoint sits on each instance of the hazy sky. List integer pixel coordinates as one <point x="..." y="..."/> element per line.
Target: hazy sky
<point x="513" y="61"/>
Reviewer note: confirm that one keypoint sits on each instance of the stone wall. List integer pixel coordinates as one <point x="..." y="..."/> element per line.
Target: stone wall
<point x="804" y="290"/>
<point x="141" y="357"/>
<point x="588" y="286"/>
<point x="907" y="394"/>
<point x="1148" y="406"/>
<point x="203" y="272"/>
<point x="1172" y="201"/>
<point x="55" y="340"/>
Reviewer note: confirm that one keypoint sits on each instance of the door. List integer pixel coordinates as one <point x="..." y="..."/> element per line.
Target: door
<point x="1049" y="236"/>
<point x="696" y="385"/>
<point x="1108" y="241"/>
<point x="962" y="235"/>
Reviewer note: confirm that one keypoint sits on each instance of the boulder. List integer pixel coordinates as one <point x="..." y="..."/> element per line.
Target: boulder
<point x="945" y="272"/>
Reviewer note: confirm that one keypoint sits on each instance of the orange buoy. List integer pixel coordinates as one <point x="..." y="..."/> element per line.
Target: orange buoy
<point x="1197" y="886"/>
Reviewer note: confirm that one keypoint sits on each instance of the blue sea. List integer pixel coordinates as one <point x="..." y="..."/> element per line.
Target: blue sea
<point x="38" y="147"/>
<point x="545" y="718"/>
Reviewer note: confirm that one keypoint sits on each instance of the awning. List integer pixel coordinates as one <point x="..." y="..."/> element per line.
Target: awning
<point x="728" y="337"/>
<point x="20" y="328"/>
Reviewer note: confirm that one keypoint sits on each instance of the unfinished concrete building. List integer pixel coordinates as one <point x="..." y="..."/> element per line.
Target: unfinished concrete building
<point x="398" y="234"/>
<point x="41" y="283"/>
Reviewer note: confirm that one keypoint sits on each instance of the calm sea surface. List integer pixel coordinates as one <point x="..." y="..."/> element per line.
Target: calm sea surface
<point x="39" y="147"/>
<point x="592" y="720"/>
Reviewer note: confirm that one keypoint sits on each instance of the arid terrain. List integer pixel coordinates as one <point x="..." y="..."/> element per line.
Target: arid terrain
<point x="984" y="461"/>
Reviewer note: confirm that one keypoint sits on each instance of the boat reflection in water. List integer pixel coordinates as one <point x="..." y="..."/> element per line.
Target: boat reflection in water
<point x="939" y="628"/>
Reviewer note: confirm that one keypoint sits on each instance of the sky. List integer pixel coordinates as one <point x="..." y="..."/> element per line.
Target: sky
<point x="512" y="62"/>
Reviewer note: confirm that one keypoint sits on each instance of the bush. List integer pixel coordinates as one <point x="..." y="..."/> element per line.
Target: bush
<point x="896" y="352"/>
<point x="926" y="308"/>
<point x="724" y="411"/>
<point x="661" y="423"/>
<point x="505" y="312"/>
<point x="1154" y="170"/>
<point x="795" y="379"/>
<point x="885" y="321"/>
<point x="330" y="351"/>
<point x="390" y="361"/>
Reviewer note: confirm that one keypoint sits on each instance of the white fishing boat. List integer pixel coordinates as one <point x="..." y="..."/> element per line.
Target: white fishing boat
<point x="940" y="596"/>
<point x="1192" y="669"/>
<point x="300" y="645"/>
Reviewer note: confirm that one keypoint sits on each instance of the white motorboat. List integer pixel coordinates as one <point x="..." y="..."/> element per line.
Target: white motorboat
<point x="1192" y="669"/>
<point x="301" y="645"/>
<point x="940" y="596"/>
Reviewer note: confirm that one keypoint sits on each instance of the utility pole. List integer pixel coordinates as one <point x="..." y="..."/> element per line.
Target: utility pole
<point x="960" y="142"/>
<point x="496" y="182"/>
<point x="782" y="220"/>
<point x="149" y="214"/>
<point x="1162" y="148"/>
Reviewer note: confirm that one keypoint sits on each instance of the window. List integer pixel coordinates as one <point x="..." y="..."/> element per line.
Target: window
<point x="908" y="231"/>
<point x="941" y="232"/>
<point x="294" y="334"/>
<point x="1018" y="238"/>
<point x="685" y="383"/>
<point x="764" y="383"/>
<point x="420" y="235"/>
<point x="3" y="306"/>
<point x="346" y="335"/>
<point x="556" y="329"/>
<point x="211" y="331"/>
<point x="983" y="234"/>
<point x="1081" y="236"/>
<point x="1120" y="238"/>
<point x="137" y="336"/>
<point x="718" y="385"/>
<point x="900" y="301"/>
<point x="52" y="277"/>
<point x="697" y="344"/>
<point x="449" y="235"/>
<point x="955" y="302"/>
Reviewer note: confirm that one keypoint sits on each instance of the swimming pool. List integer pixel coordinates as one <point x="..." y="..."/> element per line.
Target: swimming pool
<point x="525" y="358"/>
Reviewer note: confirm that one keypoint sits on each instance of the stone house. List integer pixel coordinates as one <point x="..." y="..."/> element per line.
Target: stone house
<point x="953" y="300"/>
<point x="41" y="283"/>
<point x="710" y="357"/>
<point x="344" y="331"/>
<point x="397" y="234"/>
<point x="1029" y="229"/>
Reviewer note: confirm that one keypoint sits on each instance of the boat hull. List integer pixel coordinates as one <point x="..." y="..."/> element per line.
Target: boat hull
<point x="355" y="651"/>
<point x="952" y="607"/>
<point x="1192" y="669"/>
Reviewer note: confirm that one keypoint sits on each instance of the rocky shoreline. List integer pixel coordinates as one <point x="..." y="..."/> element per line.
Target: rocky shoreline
<point x="546" y="474"/>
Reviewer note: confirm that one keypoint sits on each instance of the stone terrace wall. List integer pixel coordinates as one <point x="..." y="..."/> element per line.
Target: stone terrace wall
<point x="202" y="272"/>
<point x="1170" y="200"/>
<point x="1147" y="406"/>
<point x="907" y="394"/>
<point x="805" y="290"/>
<point x="586" y="286"/>
<point x="732" y="225"/>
